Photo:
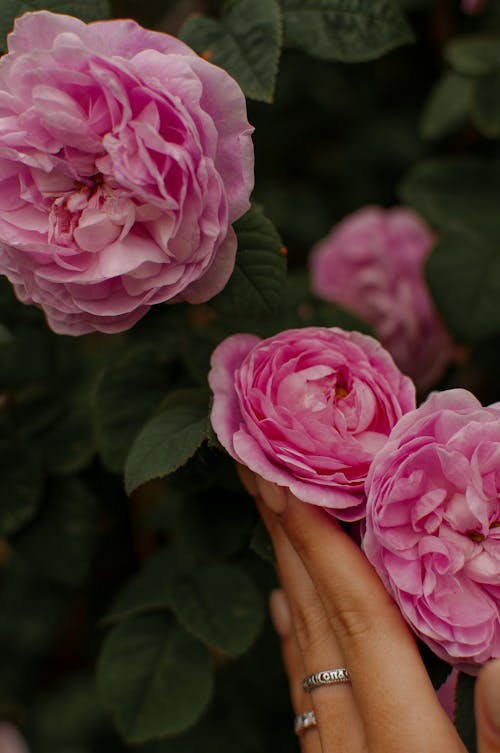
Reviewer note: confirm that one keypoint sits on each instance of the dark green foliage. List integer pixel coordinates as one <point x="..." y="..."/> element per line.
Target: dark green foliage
<point x="169" y="439"/>
<point x="457" y="196"/>
<point x="21" y="484"/>
<point x="155" y="678"/>
<point x="219" y="605"/>
<point x="259" y="274"/>
<point x="125" y="396"/>
<point x="447" y="108"/>
<point x="347" y="30"/>
<point x="246" y="41"/>
<point x="59" y="542"/>
<point x="464" y="277"/>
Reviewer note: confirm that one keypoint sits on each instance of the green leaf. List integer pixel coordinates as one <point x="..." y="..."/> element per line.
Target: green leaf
<point x="447" y="107"/>
<point x="246" y="41"/>
<point x="59" y="542"/>
<point x="347" y="30"/>
<point x="168" y="440"/>
<point x="155" y="678"/>
<point x="457" y="194"/>
<point x="125" y="397"/>
<point x="486" y="104"/>
<point x="21" y="485"/>
<point x="221" y="606"/>
<point x="87" y="10"/>
<point x="464" y="278"/>
<point x="256" y="284"/>
<point x="151" y="588"/>
<point x="474" y="55"/>
<point x="464" y="711"/>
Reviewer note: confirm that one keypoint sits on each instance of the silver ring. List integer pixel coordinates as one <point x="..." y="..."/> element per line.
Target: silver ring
<point x="304" y="721"/>
<point x="326" y="677"/>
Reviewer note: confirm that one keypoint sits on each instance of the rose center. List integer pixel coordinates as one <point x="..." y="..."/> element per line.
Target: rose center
<point x="67" y="209"/>
<point x="320" y="393"/>
<point x="479" y="537"/>
<point x="476" y="536"/>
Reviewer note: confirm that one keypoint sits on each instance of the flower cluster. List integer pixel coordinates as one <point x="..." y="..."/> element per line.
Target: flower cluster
<point x="327" y="414"/>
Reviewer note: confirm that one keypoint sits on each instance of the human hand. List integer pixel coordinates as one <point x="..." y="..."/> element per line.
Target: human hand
<point x="335" y="612"/>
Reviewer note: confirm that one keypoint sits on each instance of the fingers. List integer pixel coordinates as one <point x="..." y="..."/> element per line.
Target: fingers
<point x="488" y="708"/>
<point x="292" y="659"/>
<point x="393" y="692"/>
<point x="339" y="724"/>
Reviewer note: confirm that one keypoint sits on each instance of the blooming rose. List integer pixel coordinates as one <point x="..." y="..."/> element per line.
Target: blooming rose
<point x="124" y="159"/>
<point x="433" y="525"/>
<point x="372" y="263"/>
<point x="308" y="409"/>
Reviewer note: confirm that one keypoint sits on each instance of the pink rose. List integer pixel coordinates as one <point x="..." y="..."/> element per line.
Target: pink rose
<point x="372" y="263"/>
<point x="124" y="160"/>
<point x="433" y="525"/>
<point x="10" y="739"/>
<point x="308" y="409"/>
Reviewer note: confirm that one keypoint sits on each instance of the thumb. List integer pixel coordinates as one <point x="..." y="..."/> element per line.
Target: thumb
<point x="488" y="708"/>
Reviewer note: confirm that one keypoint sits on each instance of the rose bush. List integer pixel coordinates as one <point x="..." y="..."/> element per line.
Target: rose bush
<point x="433" y="524"/>
<point x="124" y="159"/>
<point x="372" y="263"/>
<point x="308" y="409"/>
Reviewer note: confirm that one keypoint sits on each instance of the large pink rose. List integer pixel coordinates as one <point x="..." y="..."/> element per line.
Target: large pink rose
<point x="372" y="263"/>
<point x="124" y="159"/>
<point x="433" y="525"/>
<point x="308" y="409"/>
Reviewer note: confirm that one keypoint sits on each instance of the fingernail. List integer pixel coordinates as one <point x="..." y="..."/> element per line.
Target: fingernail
<point x="273" y="495"/>
<point x="280" y="613"/>
<point x="491" y="693"/>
